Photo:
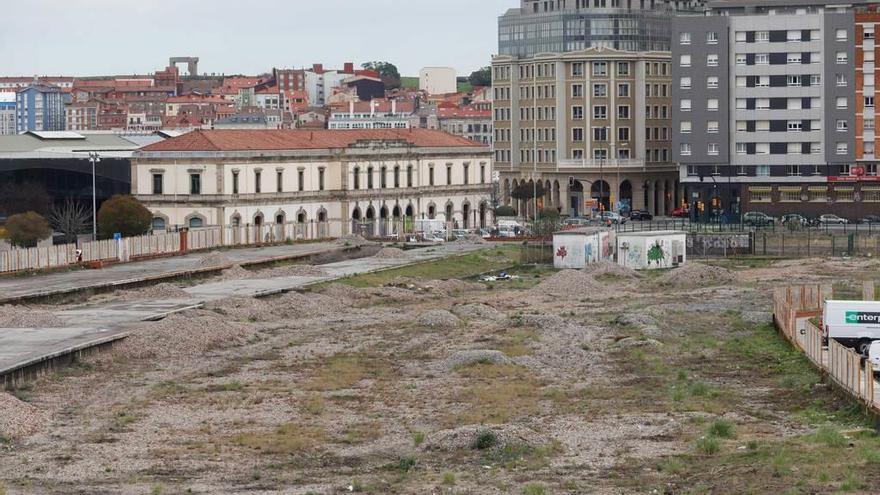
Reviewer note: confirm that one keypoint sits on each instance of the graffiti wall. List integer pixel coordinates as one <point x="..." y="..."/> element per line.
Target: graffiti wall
<point x="646" y="251"/>
<point x="575" y="250"/>
<point x="719" y="244"/>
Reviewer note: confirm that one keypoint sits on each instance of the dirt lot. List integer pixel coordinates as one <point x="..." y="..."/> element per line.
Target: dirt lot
<point x="603" y="381"/>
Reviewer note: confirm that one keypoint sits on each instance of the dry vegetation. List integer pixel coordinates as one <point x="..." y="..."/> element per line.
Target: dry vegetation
<point x="596" y="382"/>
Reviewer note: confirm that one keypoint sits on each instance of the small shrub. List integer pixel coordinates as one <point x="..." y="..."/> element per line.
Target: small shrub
<point x="26" y="229"/>
<point x="124" y="215"/>
<point x="671" y="466"/>
<point x="708" y="445"/>
<point x="829" y="436"/>
<point x="405" y="464"/>
<point x="418" y="437"/>
<point x="485" y="439"/>
<point x="535" y="489"/>
<point x="721" y="428"/>
<point x="780" y="464"/>
<point x="852" y="482"/>
<point x="752" y="445"/>
<point x="448" y="478"/>
<point x="157" y="490"/>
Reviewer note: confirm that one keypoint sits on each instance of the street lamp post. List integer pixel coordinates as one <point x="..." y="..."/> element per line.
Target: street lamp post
<point x="94" y="158"/>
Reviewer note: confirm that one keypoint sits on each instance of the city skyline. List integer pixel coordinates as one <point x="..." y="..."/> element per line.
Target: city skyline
<point x="81" y="44"/>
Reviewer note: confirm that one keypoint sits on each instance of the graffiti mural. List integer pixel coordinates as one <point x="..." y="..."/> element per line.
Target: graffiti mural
<point x="656" y="254"/>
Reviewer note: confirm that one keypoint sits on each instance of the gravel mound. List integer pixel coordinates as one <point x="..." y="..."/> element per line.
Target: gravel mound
<point x="24" y="317"/>
<point x="186" y="334"/>
<point x="692" y="275"/>
<point x="352" y="240"/>
<point x="163" y="290"/>
<point x="630" y="343"/>
<point x="476" y="356"/>
<point x="344" y="292"/>
<point x="296" y="304"/>
<point x="540" y="321"/>
<point x="610" y="268"/>
<point x="19" y="419"/>
<point x="294" y="271"/>
<point x="235" y="273"/>
<point x="635" y="319"/>
<point x="455" y="286"/>
<point x="390" y="253"/>
<point x="244" y="309"/>
<point x="570" y="283"/>
<point x="476" y="311"/>
<point x="438" y="318"/>
<point x="465" y="438"/>
<point x="214" y="258"/>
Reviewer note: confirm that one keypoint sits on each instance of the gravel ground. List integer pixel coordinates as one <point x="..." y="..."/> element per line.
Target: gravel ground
<point x="162" y="290"/>
<point x="25" y="317"/>
<point x="214" y="258"/>
<point x="293" y="271"/>
<point x="316" y="392"/>
<point x="691" y="275"/>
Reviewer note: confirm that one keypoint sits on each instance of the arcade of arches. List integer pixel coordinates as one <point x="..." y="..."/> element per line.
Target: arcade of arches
<point x="657" y="194"/>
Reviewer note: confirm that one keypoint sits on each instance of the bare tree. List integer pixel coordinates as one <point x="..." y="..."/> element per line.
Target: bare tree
<point x="71" y="219"/>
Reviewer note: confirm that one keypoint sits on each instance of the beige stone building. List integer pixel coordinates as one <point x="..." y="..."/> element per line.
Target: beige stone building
<point x="593" y="126"/>
<point x="374" y="182"/>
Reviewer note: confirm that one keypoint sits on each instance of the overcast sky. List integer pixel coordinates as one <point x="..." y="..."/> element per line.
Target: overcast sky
<point x="95" y="37"/>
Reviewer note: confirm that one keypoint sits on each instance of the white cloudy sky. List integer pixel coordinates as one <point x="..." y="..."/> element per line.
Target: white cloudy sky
<point x="91" y="37"/>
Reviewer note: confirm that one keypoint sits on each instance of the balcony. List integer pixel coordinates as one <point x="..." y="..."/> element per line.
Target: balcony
<point x="611" y="163"/>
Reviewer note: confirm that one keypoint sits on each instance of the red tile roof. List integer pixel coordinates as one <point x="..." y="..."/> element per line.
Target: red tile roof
<point x="286" y="140"/>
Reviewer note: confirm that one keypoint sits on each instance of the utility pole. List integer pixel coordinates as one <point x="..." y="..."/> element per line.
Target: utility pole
<point x="94" y="158"/>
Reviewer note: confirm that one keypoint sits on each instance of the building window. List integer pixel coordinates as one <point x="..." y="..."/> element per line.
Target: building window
<point x="195" y="183"/>
<point x="600" y="112"/>
<point x="396" y="177"/>
<point x="869" y="102"/>
<point x="712" y="82"/>
<point x="300" y="180"/>
<point x="712" y="60"/>
<point x="623" y="111"/>
<point x="842" y="125"/>
<point x="482" y="173"/>
<point x="577" y="112"/>
<point x="841" y="80"/>
<point x="790" y="194"/>
<point x="841" y="58"/>
<point x="841" y="102"/>
<point x="623" y="133"/>
<point x="712" y="127"/>
<point x="869" y="124"/>
<point x="279" y="181"/>
<point x="793" y="81"/>
<point x="759" y="194"/>
<point x="685" y="105"/>
<point x="841" y="148"/>
<point x="712" y="104"/>
<point x="843" y="194"/>
<point x="466" y="167"/>
<point x="684" y="61"/>
<point x="685" y="127"/>
<point x="684" y="83"/>
<point x="740" y="59"/>
<point x="793" y="58"/>
<point x="685" y="149"/>
<point x="871" y="194"/>
<point x="623" y="90"/>
<point x="431" y="174"/>
<point x="741" y="149"/>
<point x="712" y="38"/>
<point x="840" y="35"/>
<point x="577" y="134"/>
<point x="577" y="90"/>
<point x="600" y="154"/>
<point x="762" y="59"/>
<point x="684" y="38"/>
<point x="712" y="149"/>
<point x="622" y="68"/>
<point x="409" y="176"/>
<point x="234" y="182"/>
<point x="600" y="90"/>
<point x="740" y="36"/>
<point x="600" y="134"/>
<point x="258" y="176"/>
<point x="794" y="126"/>
<point x="818" y="194"/>
<point x="321" y="178"/>
<point x="762" y="36"/>
<point x="577" y="69"/>
<point x="356" y="175"/>
<point x="815" y="80"/>
<point x="600" y="68"/>
<point x="157" y="183"/>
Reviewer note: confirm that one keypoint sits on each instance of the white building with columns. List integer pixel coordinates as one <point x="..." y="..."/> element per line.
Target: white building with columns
<point x="373" y="182"/>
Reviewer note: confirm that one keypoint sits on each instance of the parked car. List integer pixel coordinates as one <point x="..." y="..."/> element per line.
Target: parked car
<point x="758" y="219"/>
<point x="484" y="233"/>
<point x="832" y="219"/>
<point x="795" y="219"/>
<point x="681" y="212"/>
<point x="870" y="219"/>
<point x="640" y="215"/>
<point x="607" y="216"/>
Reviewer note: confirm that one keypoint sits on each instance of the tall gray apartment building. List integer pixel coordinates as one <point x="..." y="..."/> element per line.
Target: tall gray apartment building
<point x="582" y="104"/>
<point x="764" y="108"/>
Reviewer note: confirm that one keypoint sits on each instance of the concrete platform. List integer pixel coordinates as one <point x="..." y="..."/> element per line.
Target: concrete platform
<point x="25" y="353"/>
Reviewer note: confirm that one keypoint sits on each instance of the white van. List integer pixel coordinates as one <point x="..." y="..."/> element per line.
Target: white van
<point x="855" y="324"/>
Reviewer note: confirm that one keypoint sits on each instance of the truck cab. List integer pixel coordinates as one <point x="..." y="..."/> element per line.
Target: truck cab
<point x="854" y="324"/>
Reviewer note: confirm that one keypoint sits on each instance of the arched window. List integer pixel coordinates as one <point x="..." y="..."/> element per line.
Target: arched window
<point x="396" y="176"/>
<point x="196" y="222"/>
<point x="369" y="177"/>
<point x="159" y="224"/>
<point x="357" y="178"/>
<point x="383" y="179"/>
<point x="409" y="176"/>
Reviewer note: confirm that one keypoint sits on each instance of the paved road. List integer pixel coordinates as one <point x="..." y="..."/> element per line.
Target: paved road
<point x="98" y="323"/>
<point x="70" y="281"/>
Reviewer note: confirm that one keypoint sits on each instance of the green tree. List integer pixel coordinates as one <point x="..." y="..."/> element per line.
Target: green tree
<point x="26" y="229"/>
<point x="387" y="71"/>
<point x="124" y="215"/>
<point x="481" y="77"/>
<point x="548" y="222"/>
<point x="527" y="191"/>
<point x="505" y="211"/>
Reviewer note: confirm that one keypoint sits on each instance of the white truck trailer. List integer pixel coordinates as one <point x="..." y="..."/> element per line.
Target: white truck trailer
<point x="855" y="324"/>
